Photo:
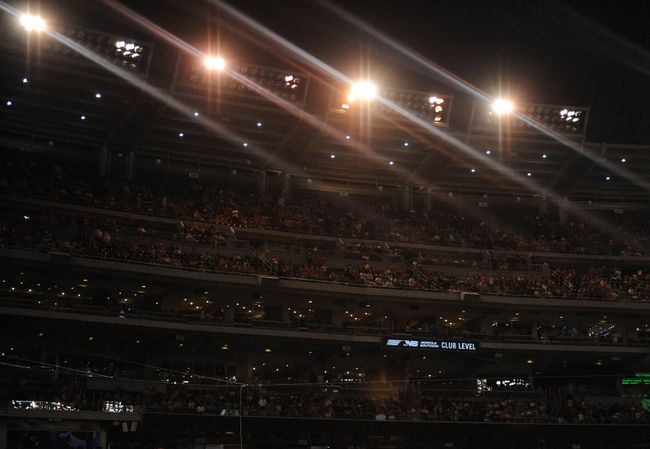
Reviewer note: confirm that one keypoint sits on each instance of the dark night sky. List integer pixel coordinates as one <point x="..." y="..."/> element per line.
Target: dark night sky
<point x="580" y="53"/>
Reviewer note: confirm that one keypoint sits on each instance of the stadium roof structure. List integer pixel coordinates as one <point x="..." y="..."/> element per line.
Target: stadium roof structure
<point x="284" y="118"/>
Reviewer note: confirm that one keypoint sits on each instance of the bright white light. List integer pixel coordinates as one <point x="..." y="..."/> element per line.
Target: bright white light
<point x="98" y="95"/>
<point x="473" y="170"/>
<point x="214" y="63"/>
<point x="544" y="156"/>
<point x="32" y="23"/>
<point x="488" y="152"/>
<point x="406" y="144"/>
<point x="347" y="137"/>
<point x="502" y="106"/>
<point x="288" y="78"/>
<point x="181" y="134"/>
<point x="332" y="156"/>
<point x="25" y="81"/>
<point x="623" y="160"/>
<point x="245" y="144"/>
<point x="196" y="113"/>
<point x="529" y="174"/>
<point x="607" y="178"/>
<point x="259" y="124"/>
<point x="83" y="117"/>
<point x="9" y="103"/>
<point x="391" y="163"/>
<point x="364" y="90"/>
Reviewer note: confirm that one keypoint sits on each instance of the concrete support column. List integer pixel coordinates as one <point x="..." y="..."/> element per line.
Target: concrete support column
<point x="103" y="439"/>
<point x="229" y="315"/>
<point x="407" y="198"/>
<point x="286" y="188"/>
<point x="542" y="209"/>
<point x="171" y="303"/>
<point x="244" y="368"/>
<point x="129" y="167"/>
<point x="285" y="314"/>
<point x="3" y="435"/>
<point x="486" y="326"/>
<point x="383" y="377"/>
<point x="104" y="161"/>
<point x="427" y="199"/>
<point x="261" y="183"/>
<point x="563" y="208"/>
<point x="337" y="314"/>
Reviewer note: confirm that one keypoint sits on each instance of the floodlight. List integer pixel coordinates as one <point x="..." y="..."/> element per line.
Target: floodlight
<point x="289" y="86"/>
<point x="127" y="52"/>
<point x="214" y="63"/>
<point x="364" y="90"/>
<point x="32" y="23"/>
<point x="502" y="106"/>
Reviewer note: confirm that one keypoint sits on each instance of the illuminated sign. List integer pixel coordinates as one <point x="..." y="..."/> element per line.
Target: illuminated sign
<point x="638" y="379"/>
<point x="436" y="345"/>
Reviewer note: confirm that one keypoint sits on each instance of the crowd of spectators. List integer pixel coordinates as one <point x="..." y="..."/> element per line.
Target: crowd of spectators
<point x="330" y="402"/>
<point x="83" y="237"/>
<point x="315" y="214"/>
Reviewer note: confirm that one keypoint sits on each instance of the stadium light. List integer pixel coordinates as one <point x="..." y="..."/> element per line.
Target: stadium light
<point x="364" y="90"/>
<point x="32" y="23"/>
<point x="214" y="63"/>
<point x="502" y="106"/>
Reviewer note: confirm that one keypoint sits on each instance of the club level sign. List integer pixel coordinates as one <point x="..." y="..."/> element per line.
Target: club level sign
<point x="442" y="345"/>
